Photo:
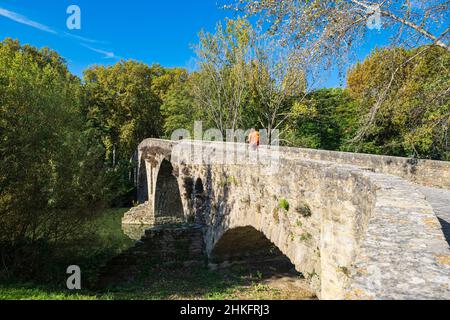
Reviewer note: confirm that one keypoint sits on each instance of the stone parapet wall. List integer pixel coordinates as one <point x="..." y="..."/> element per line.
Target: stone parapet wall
<point x="425" y="172"/>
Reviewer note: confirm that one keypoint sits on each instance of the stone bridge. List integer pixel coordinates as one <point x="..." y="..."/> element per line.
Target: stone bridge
<point x="356" y="226"/>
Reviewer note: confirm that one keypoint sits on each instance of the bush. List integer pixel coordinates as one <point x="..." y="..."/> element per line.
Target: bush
<point x="283" y="204"/>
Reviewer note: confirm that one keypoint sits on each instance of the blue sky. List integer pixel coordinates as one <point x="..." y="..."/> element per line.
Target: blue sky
<point x="145" y="30"/>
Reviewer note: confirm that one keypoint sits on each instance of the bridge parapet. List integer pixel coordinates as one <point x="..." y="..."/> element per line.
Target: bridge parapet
<point x="424" y="172"/>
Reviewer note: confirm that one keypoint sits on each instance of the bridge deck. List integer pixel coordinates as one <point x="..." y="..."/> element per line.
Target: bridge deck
<point x="439" y="199"/>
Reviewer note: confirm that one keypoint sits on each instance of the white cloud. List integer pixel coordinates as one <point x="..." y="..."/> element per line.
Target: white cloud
<point x="82" y="40"/>
<point x="107" y="54"/>
<point x="24" y="20"/>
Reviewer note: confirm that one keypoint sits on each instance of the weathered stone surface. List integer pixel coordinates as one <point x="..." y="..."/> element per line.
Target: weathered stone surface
<point x="135" y="231"/>
<point x="439" y="199"/>
<point x="140" y="215"/>
<point x="354" y="225"/>
<point x="425" y="172"/>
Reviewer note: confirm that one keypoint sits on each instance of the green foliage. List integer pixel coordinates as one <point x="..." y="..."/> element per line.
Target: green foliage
<point x="179" y="109"/>
<point x="327" y="33"/>
<point x="283" y="204"/>
<point x="413" y="116"/>
<point x="219" y="86"/>
<point x="244" y="80"/>
<point x="325" y="119"/>
<point x="123" y="106"/>
<point x="47" y="155"/>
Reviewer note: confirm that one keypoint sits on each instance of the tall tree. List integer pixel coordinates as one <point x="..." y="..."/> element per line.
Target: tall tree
<point x="414" y="117"/>
<point x="325" y="33"/>
<point x="245" y="78"/>
<point x="179" y="108"/>
<point x="47" y="155"/>
<point x="333" y="27"/>
<point x="220" y="86"/>
<point x="276" y="78"/>
<point x="122" y="103"/>
<point x="324" y="119"/>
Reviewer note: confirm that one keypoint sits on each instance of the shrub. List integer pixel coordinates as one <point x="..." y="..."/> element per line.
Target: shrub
<point x="283" y="204"/>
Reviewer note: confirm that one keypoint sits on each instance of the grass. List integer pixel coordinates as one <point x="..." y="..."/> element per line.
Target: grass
<point x="35" y="292"/>
<point x="175" y="284"/>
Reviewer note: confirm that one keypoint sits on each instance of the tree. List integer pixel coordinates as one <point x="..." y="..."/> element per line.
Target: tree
<point x="47" y="156"/>
<point x="246" y="79"/>
<point x="179" y="108"/>
<point x="276" y="78"/>
<point x="325" y="119"/>
<point x="122" y="104"/>
<point x="220" y="85"/>
<point x="325" y="33"/>
<point x="166" y="78"/>
<point x="331" y="28"/>
<point x="414" y="116"/>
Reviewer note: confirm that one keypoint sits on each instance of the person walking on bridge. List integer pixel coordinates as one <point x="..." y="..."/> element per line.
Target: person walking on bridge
<point x="254" y="138"/>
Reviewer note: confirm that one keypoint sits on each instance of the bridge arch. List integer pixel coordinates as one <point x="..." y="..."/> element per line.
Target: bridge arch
<point x="167" y="198"/>
<point x="246" y="245"/>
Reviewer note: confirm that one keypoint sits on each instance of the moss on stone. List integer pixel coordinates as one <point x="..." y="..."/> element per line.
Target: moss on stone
<point x="276" y="215"/>
<point x="305" y="236"/>
<point x="304" y="210"/>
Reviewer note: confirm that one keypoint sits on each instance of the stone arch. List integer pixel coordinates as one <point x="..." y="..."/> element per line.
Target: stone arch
<point x="167" y="198"/>
<point x="142" y="191"/>
<point x="246" y="245"/>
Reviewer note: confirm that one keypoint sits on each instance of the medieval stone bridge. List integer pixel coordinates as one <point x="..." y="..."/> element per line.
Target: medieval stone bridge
<point x="357" y="226"/>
